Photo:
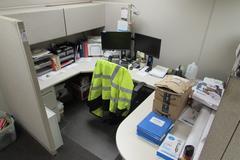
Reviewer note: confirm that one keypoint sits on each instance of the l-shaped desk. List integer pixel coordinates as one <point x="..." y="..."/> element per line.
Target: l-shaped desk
<point x="129" y="144"/>
<point x="86" y="65"/>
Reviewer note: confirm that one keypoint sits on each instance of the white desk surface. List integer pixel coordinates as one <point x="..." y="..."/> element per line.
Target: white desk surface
<point x="83" y="65"/>
<point x="133" y="147"/>
<point x="86" y="65"/>
<point x="147" y="78"/>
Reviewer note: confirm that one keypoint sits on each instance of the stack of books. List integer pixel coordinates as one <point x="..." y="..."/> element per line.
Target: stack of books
<point x="154" y="127"/>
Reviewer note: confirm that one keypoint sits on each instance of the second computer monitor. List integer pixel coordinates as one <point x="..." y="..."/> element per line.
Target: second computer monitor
<point x="116" y="40"/>
<point x="148" y="45"/>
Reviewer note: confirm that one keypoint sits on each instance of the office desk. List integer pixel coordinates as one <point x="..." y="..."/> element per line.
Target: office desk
<point x="132" y="146"/>
<point x="86" y="65"/>
<point x="83" y="65"/>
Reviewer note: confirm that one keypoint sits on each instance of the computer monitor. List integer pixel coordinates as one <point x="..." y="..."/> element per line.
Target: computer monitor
<point x="148" y="45"/>
<point x="116" y="40"/>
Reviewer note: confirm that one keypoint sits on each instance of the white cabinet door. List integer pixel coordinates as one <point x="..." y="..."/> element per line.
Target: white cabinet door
<point x="42" y="25"/>
<point x="80" y="18"/>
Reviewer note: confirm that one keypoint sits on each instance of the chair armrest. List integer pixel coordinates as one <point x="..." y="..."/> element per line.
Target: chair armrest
<point x="138" y="87"/>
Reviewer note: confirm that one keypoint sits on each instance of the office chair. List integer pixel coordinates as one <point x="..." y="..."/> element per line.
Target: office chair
<point x="101" y="107"/>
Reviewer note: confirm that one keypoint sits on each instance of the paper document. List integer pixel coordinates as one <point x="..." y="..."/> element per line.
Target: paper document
<point x="122" y="25"/>
<point x="189" y="116"/>
<point x="124" y="13"/>
<point x="50" y="75"/>
<point x="142" y="72"/>
<point x="159" y="71"/>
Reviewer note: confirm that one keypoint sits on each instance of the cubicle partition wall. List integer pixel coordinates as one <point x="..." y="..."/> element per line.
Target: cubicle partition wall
<point x="19" y="83"/>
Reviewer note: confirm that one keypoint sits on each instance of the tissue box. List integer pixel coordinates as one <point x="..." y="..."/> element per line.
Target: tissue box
<point x="171" y="148"/>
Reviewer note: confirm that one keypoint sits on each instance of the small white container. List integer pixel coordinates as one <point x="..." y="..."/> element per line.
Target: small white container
<point x="60" y="107"/>
<point x="192" y="71"/>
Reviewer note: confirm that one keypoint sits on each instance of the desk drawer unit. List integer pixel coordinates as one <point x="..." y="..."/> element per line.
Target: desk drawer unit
<point x="50" y="100"/>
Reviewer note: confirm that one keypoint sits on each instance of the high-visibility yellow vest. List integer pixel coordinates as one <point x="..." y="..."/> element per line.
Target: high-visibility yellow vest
<point x="110" y="90"/>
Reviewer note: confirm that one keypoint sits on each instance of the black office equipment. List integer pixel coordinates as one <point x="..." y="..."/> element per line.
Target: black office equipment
<point x="148" y="45"/>
<point x="116" y="40"/>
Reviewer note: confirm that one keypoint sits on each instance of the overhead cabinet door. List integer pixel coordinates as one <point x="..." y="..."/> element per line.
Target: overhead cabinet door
<point x="80" y="18"/>
<point x="42" y="25"/>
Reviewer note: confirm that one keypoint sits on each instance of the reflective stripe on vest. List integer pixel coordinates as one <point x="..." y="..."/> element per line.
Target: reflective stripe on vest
<point x="114" y="85"/>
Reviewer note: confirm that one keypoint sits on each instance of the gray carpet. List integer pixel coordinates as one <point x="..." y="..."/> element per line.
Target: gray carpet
<point x="26" y="148"/>
<point x="89" y="131"/>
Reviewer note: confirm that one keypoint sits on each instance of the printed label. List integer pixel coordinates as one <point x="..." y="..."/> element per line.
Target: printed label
<point x="157" y="122"/>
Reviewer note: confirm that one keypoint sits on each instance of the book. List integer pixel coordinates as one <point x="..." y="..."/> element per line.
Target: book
<point x="209" y="92"/>
<point x="85" y="48"/>
<point x="154" y="127"/>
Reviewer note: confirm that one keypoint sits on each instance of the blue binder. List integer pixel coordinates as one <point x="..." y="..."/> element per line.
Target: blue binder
<point x="154" y="127"/>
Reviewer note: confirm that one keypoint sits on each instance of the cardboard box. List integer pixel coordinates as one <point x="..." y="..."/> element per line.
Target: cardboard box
<point x="172" y="111"/>
<point x="171" y="95"/>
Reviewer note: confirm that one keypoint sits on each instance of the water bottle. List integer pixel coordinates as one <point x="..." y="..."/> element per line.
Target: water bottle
<point x="192" y="70"/>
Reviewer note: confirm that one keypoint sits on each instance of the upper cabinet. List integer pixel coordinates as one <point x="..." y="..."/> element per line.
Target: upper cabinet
<point x="41" y="24"/>
<point x="80" y="18"/>
<point x="48" y="23"/>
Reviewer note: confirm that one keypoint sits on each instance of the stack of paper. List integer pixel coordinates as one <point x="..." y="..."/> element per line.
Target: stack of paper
<point x="159" y="71"/>
<point x="154" y="128"/>
<point x="209" y="92"/>
<point x="41" y="53"/>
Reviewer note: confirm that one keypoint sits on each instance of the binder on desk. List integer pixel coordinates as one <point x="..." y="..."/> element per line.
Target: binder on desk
<point x="85" y="48"/>
<point x="154" y="127"/>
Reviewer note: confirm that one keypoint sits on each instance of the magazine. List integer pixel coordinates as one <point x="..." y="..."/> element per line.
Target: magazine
<point x="209" y="92"/>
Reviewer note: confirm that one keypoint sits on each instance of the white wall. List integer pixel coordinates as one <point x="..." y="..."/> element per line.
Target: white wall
<point x="112" y="15"/>
<point x="205" y="31"/>
<point x="3" y="105"/>
<point x="180" y="24"/>
<point x="222" y="39"/>
<point x="16" y="3"/>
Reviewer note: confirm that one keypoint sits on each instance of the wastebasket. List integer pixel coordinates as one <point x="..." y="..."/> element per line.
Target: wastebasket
<point x="8" y="133"/>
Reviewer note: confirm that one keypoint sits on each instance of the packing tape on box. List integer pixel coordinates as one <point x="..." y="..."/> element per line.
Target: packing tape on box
<point x="198" y="129"/>
<point x="204" y="136"/>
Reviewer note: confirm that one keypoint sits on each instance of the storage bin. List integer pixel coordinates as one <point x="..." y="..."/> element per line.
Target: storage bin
<point x="7" y="134"/>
